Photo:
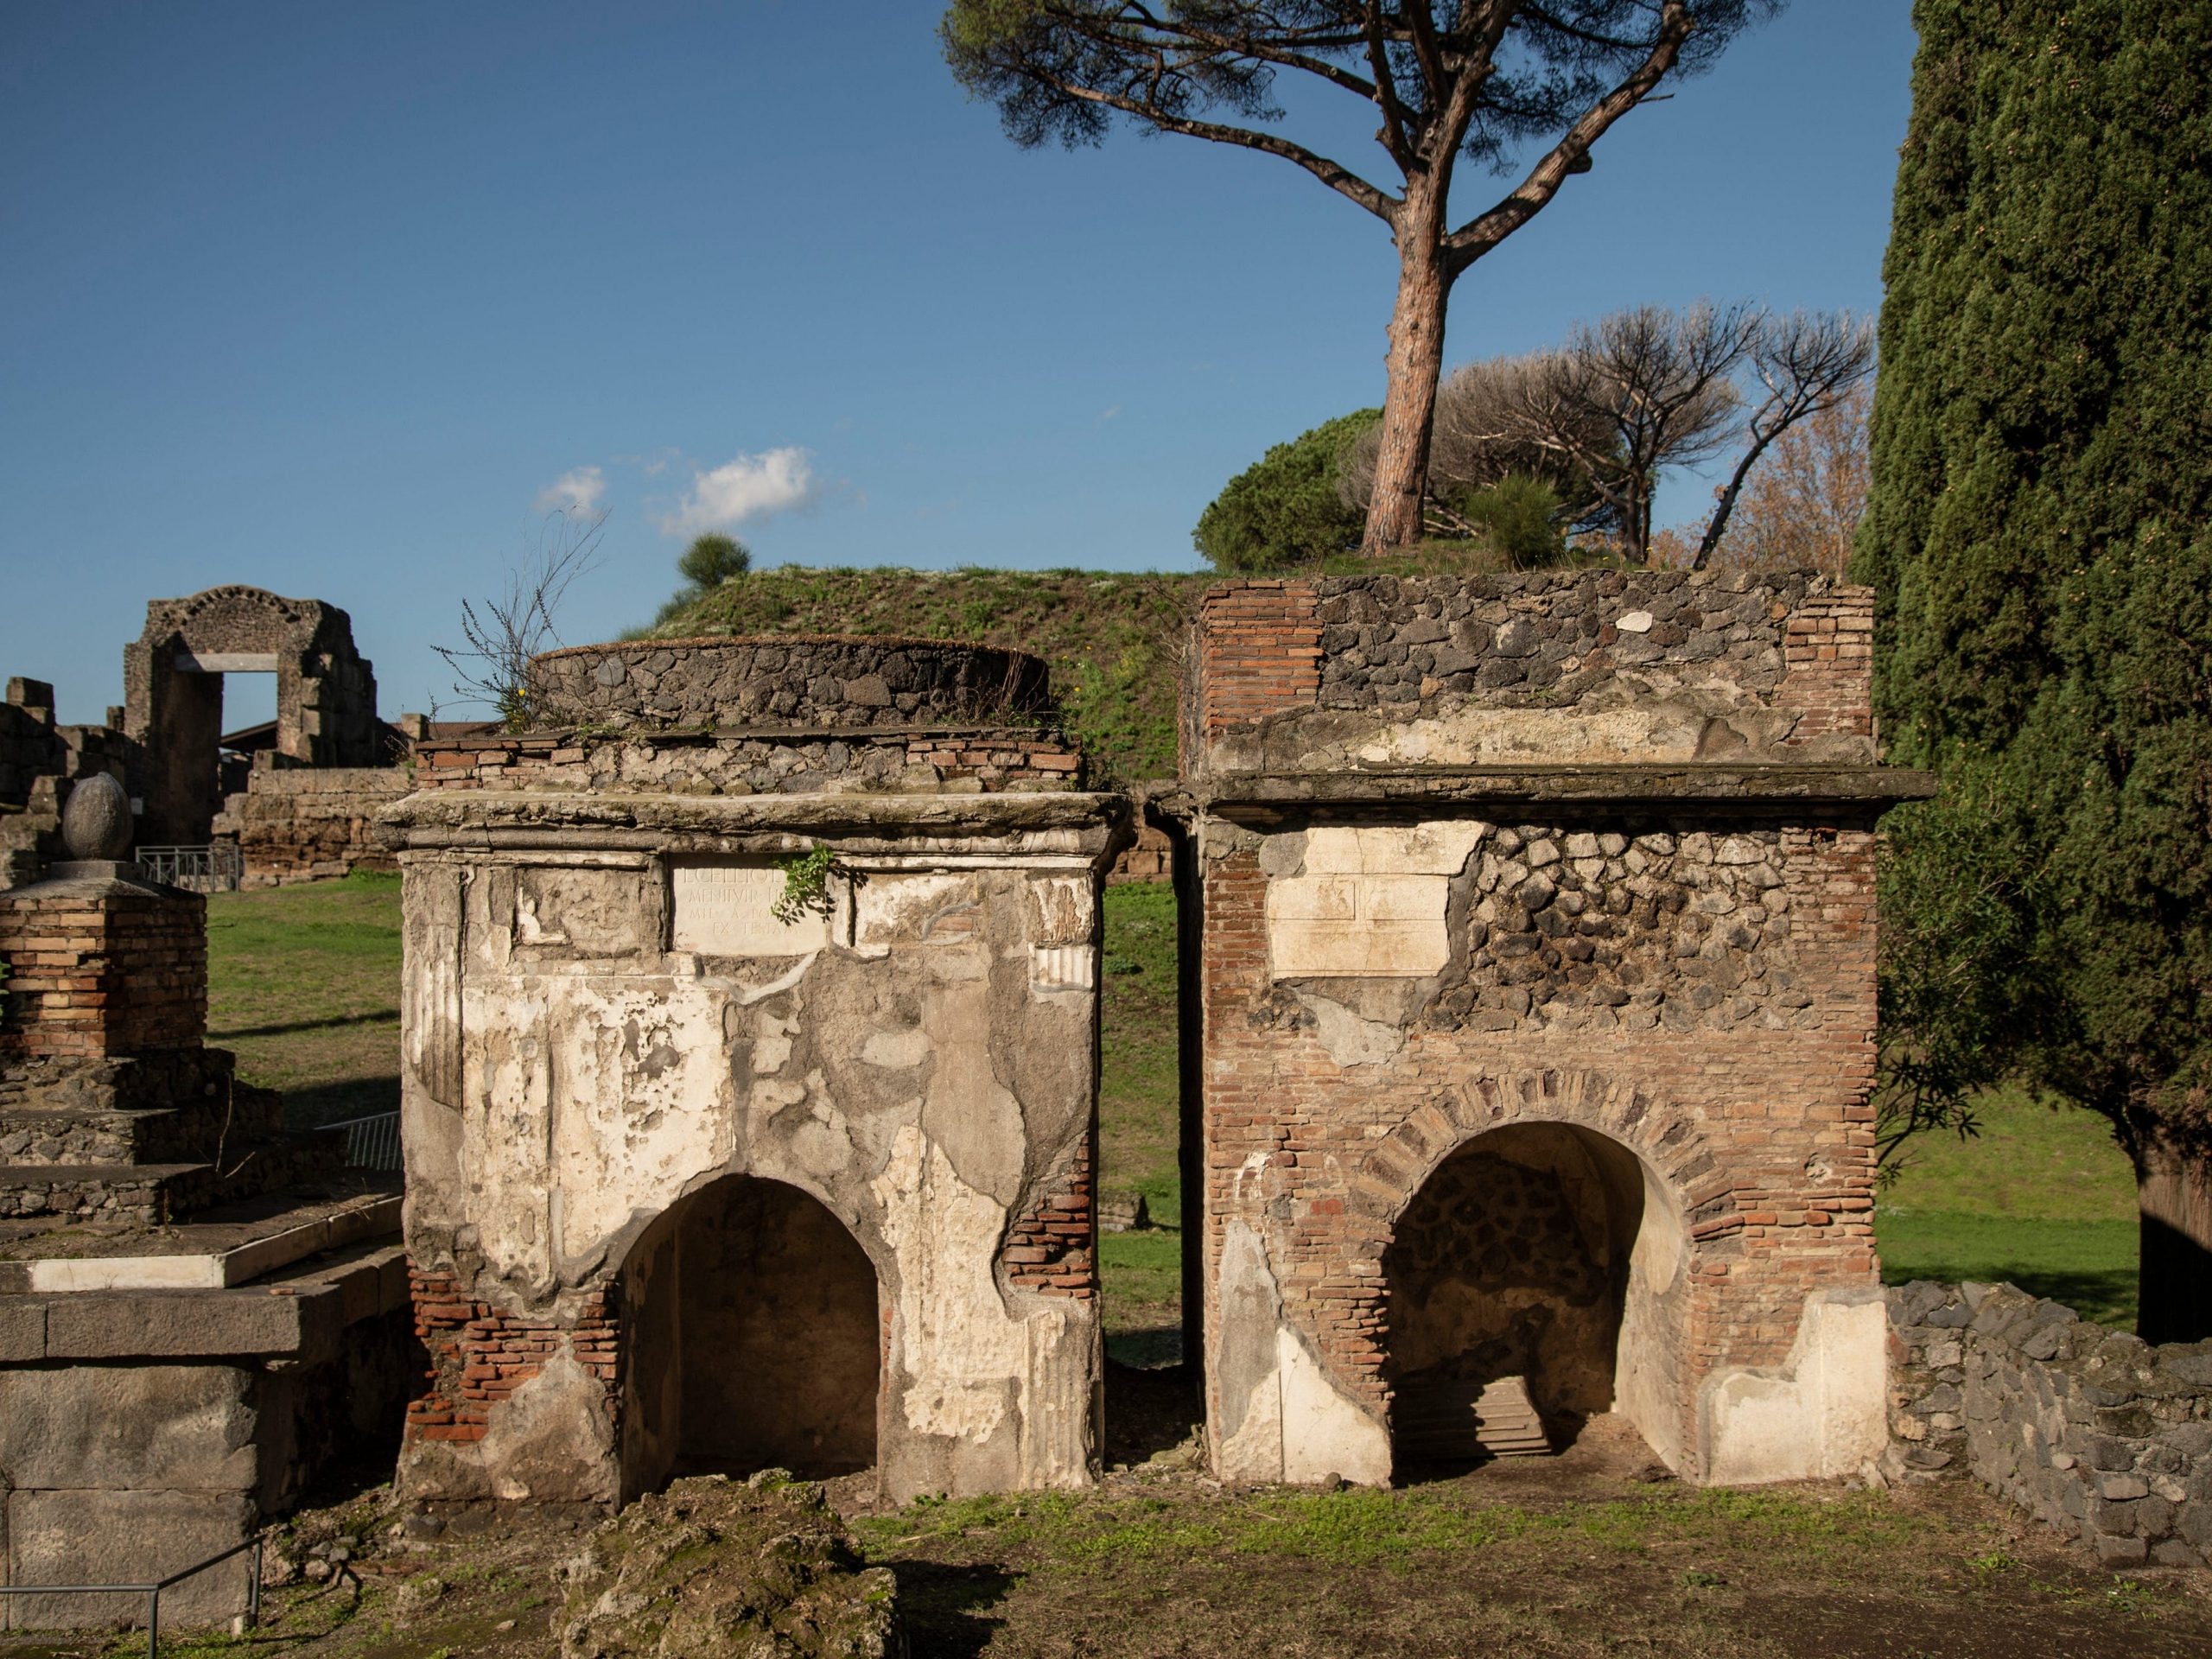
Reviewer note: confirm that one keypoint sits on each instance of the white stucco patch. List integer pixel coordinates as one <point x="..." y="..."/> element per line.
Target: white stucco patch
<point x="1825" y="1414"/>
<point x="1350" y="1040"/>
<point x="1323" y="1432"/>
<point x="959" y="1345"/>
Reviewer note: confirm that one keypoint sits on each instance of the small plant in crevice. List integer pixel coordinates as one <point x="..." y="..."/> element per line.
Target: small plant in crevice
<point x="806" y="885"/>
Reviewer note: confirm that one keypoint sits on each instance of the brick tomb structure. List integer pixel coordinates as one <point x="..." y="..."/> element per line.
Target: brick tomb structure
<point x="198" y="1311"/>
<point x="696" y="1182"/>
<point x="1534" y="918"/>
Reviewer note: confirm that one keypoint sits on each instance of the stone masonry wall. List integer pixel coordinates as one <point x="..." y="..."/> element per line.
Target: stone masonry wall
<point x="310" y="823"/>
<point x="1377" y="672"/>
<point x="791" y="680"/>
<point x="1580" y="848"/>
<point x="765" y="762"/>
<point x="1330" y="1098"/>
<point x="2094" y="1432"/>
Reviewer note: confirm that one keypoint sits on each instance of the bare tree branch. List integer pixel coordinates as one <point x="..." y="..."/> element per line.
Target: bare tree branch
<point x="501" y="634"/>
<point x="1806" y="361"/>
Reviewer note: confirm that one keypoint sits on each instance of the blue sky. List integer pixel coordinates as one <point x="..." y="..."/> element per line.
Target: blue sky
<point x="327" y="298"/>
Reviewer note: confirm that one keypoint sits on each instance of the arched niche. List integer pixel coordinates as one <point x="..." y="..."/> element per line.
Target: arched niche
<point x="753" y="1339"/>
<point x="1547" y="1251"/>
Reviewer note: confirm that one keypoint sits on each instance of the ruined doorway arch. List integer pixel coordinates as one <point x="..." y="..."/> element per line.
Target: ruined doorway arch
<point x="173" y="697"/>
<point x="1546" y="1251"/>
<point x="754" y="1338"/>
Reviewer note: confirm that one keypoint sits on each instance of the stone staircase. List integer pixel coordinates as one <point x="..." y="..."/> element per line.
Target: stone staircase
<point x="1441" y="1419"/>
<point x="144" y="1139"/>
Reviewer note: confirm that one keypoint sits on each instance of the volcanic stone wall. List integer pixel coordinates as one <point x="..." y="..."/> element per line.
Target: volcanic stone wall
<point x="2093" y="1431"/>
<point x="786" y="681"/>
<point x="793" y="761"/>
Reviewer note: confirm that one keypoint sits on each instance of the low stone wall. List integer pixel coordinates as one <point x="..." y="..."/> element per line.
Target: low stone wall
<point x="304" y="823"/>
<point x="2094" y="1432"/>
<point x="895" y="761"/>
<point x="796" y="680"/>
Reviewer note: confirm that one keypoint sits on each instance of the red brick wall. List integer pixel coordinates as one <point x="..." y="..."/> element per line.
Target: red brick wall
<point x="1053" y="1247"/>
<point x="1763" y="1136"/>
<point x="93" y="977"/>
<point x="480" y="1356"/>
<point x="1255" y="652"/>
<point x="1827" y="649"/>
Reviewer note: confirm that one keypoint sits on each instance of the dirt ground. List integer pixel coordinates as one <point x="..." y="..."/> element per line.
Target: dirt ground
<point x="1595" y="1552"/>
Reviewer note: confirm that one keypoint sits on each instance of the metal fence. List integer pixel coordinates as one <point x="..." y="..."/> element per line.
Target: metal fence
<point x="371" y="1142"/>
<point x="153" y="1591"/>
<point x="217" y="867"/>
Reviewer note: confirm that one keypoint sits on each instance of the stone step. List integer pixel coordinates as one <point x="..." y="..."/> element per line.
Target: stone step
<point x="153" y="1195"/>
<point x="1451" y="1419"/>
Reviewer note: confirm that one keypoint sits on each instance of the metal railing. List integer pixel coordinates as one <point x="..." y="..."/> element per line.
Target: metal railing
<point x="217" y="867"/>
<point x="371" y="1142"/>
<point x="153" y="1591"/>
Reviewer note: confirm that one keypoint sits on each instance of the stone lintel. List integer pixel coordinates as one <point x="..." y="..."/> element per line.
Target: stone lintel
<point x="1261" y="793"/>
<point x="1092" y="826"/>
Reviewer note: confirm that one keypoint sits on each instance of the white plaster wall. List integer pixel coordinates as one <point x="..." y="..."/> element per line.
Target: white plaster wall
<point x="1823" y="1414"/>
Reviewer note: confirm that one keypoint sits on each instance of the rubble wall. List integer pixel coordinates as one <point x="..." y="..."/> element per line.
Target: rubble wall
<point x="2094" y="1432"/>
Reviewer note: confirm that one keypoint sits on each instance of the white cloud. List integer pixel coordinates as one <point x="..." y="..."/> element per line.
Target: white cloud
<point x="578" y="489"/>
<point x="745" y="488"/>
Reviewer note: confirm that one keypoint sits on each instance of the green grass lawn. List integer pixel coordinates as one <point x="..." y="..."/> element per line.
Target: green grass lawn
<point x="2042" y="1198"/>
<point x="303" y="986"/>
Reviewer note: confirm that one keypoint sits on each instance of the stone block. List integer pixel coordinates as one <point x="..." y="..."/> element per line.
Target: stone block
<point x="2118" y="1552"/>
<point x="183" y="1427"/>
<point x="187" y="1325"/>
<point x="728" y="910"/>
<point x="22" y="1329"/>
<point x="101" y="1537"/>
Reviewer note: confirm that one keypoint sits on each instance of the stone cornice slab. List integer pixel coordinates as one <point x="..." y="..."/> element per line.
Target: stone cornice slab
<point x="1701" y="783"/>
<point x="1091" y="824"/>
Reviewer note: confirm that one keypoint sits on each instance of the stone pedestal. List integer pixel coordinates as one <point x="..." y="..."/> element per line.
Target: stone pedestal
<point x="100" y="964"/>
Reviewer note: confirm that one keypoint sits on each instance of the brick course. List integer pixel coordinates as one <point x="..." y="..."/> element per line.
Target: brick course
<point x="102" y="972"/>
<point x="480" y="1355"/>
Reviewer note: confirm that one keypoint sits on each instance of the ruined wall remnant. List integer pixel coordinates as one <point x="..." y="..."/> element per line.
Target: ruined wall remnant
<point x="173" y="697"/>
<point x="694" y="1186"/>
<point x="1537" y="985"/>
<point x="2098" y="1434"/>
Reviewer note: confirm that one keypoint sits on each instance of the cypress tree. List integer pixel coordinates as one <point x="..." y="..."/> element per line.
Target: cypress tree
<point x="2039" y="532"/>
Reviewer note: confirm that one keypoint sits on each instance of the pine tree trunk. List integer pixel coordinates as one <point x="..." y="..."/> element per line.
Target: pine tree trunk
<point x="2173" y="1190"/>
<point x="1414" y="361"/>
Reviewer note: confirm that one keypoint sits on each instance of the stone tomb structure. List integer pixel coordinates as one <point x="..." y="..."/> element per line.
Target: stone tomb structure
<point x="696" y="1185"/>
<point x="173" y="697"/>
<point x="1535" y="918"/>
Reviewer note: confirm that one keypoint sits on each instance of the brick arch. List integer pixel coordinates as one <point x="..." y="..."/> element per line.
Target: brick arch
<point x="1663" y="1139"/>
<point x="1666" y="1139"/>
